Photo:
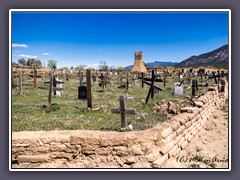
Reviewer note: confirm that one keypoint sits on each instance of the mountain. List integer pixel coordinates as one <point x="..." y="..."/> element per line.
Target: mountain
<point x="216" y="58"/>
<point x="156" y="63"/>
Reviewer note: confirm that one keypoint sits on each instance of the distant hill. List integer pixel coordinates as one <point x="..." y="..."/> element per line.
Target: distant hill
<point x="156" y="63"/>
<point x="216" y="58"/>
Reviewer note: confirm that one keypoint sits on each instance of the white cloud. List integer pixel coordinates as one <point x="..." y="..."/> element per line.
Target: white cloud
<point x="46" y="54"/>
<point x="27" y="56"/>
<point x="20" y="45"/>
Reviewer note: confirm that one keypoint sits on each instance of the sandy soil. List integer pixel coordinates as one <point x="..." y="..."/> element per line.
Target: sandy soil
<point x="209" y="148"/>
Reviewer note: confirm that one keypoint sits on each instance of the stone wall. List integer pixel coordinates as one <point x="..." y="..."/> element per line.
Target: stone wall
<point x="96" y="149"/>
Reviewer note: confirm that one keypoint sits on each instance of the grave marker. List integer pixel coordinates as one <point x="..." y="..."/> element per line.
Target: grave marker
<point x="103" y="82"/>
<point x="50" y="94"/>
<point x="89" y="90"/>
<point x="20" y="82"/>
<point x="122" y="111"/>
<point x="35" y="76"/>
<point x="193" y="88"/>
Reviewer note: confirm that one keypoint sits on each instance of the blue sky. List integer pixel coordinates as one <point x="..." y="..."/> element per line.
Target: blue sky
<point x="74" y="38"/>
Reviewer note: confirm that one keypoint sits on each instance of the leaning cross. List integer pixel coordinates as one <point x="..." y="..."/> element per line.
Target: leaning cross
<point x="123" y="111"/>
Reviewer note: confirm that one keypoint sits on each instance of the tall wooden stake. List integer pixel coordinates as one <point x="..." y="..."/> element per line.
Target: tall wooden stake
<point x="122" y="112"/>
<point x="152" y="89"/>
<point x="142" y="80"/>
<point x="50" y="94"/>
<point x="193" y="87"/>
<point x="35" y="78"/>
<point x="20" y="82"/>
<point x="89" y="91"/>
<point x="164" y="80"/>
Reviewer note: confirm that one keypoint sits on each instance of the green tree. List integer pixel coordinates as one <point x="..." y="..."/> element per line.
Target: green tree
<point x="22" y="62"/>
<point x="170" y="68"/>
<point x="34" y="63"/>
<point x="52" y="64"/>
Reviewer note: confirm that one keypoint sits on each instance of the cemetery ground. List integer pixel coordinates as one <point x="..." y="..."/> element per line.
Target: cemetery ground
<point x="30" y="112"/>
<point x="209" y="148"/>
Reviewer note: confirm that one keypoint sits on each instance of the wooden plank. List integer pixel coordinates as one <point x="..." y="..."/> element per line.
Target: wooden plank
<point x="122" y="111"/>
<point x="50" y="94"/>
<point x="89" y="90"/>
<point x="20" y="82"/>
<point x="158" y="88"/>
<point x="193" y="87"/>
<point x="152" y="89"/>
<point x="35" y="78"/>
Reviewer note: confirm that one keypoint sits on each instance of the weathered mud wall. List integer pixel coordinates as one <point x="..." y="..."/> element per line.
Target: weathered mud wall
<point x="96" y="149"/>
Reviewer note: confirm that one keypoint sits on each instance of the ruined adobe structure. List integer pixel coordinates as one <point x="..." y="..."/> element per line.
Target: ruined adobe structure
<point x="136" y="149"/>
<point x="138" y="66"/>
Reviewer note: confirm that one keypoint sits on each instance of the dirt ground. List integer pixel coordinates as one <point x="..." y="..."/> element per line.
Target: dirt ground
<point x="209" y="148"/>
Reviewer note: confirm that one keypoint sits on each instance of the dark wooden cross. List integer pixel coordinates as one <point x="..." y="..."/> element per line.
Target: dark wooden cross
<point x="123" y="111"/>
<point x="151" y="89"/>
<point x="214" y="76"/>
<point x="35" y="76"/>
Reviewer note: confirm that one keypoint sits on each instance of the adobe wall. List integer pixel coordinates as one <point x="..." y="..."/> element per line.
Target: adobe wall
<point x="96" y="149"/>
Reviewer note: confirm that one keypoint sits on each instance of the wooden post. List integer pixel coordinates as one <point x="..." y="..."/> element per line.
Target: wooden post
<point x="20" y="82"/>
<point x="193" y="87"/>
<point x="12" y="79"/>
<point x="35" y="78"/>
<point x="214" y="78"/>
<point x="152" y="89"/>
<point x="164" y="80"/>
<point x="218" y="76"/>
<point x="127" y="82"/>
<point x="80" y="78"/>
<point x="50" y="94"/>
<point x="89" y="91"/>
<point x="122" y="111"/>
<point x="196" y="85"/>
<point x="142" y="80"/>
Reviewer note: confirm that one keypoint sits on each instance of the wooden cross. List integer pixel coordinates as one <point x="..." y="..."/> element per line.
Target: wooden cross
<point x="80" y="77"/>
<point x="151" y="89"/>
<point x="123" y="111"/>
<point x="214" y="76"/>
<point x="103" y="81"/>
<point x="35" y="76"/>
